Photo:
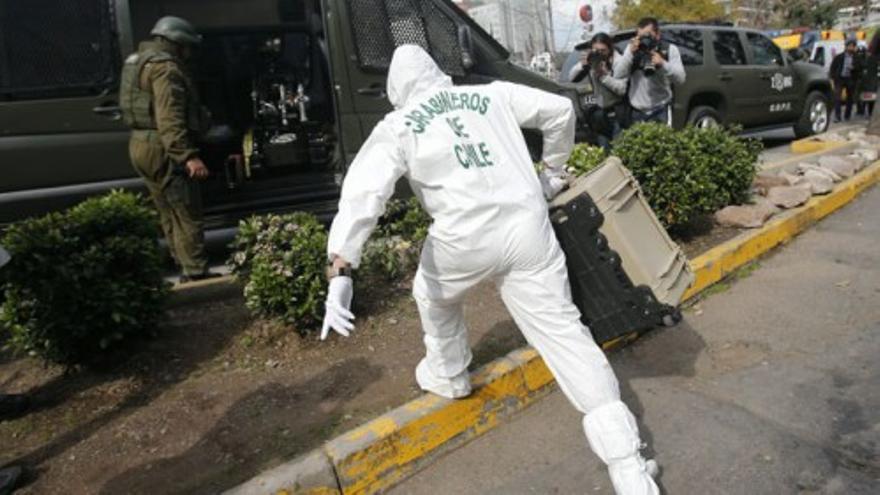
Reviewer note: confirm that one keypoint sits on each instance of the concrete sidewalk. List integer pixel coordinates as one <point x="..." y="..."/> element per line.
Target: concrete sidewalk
<point x="769" y="387"/>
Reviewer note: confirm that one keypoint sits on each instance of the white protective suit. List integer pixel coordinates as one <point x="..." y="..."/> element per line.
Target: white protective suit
<point x="463" y="153"/>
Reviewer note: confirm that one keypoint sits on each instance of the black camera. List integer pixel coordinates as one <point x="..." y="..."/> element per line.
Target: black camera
<point x="647" y="45"/>
<point x="595" y="60"/>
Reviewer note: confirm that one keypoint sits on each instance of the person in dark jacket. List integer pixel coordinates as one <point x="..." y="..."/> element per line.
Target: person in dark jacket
<point x="607" y="118"/>
<point x="845" y="72"/>
<point x="869" y="81"/>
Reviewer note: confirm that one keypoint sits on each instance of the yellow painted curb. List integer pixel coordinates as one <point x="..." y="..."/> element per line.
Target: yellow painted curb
<point x="812" y="145"/>
<point x="386" y="450"/>
<point x="373" y="457"/>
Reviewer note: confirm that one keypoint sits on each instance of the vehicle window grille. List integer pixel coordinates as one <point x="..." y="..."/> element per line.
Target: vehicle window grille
<point x="55" y="48"/>
<point x="380" y="26"/>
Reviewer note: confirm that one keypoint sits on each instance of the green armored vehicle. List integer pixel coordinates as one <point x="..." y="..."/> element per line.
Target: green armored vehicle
<point x="294" y="88"/>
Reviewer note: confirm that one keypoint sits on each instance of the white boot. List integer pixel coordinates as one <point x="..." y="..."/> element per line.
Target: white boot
<point x="456" y="387"/>
<point x="614" y="436"/>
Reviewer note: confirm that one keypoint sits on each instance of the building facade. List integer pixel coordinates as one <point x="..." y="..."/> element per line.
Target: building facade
<point x="522" y="26"/>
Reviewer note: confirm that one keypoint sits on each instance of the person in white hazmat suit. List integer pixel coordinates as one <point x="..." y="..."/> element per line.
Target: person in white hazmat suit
<point x="463" y="153"/>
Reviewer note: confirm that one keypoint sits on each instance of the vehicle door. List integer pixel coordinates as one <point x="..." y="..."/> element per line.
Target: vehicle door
<point x="732" y="71"/>
<point x="774" y="83"/>
<point x="61" y="133"/>
<point x="371" y="30"/>
<point x="690" y="45"/>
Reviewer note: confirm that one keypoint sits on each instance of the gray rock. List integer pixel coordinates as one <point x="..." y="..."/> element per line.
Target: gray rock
<point x="856" y="134"/>
<point x="869" y="154"/>
<point x="819" y="182"/>
<point x="766" y="205"/>
<point x="792" y="179"/>
<point x="765" y="181"/>
<point x="747" y="216"/>
<point x="840" y="165"/>
<point x="789" y="196"/>
<point x="864" y="143"/>
<point x="857" y="159"/>
<point x="804" y="167"/>
<point x="829" y="136"/>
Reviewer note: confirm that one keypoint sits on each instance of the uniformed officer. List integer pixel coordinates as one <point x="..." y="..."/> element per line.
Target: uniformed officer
<point x="160" y="103"/>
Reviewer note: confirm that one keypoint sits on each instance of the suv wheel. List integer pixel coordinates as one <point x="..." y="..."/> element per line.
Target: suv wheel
<point x="816" y="116"/>
<point x="704" y="117"/>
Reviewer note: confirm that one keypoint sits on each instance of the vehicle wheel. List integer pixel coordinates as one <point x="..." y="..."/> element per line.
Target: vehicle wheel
<point x="672" y="319"/>
<point x="816" y="116"/>
<point x="704" y="117"/>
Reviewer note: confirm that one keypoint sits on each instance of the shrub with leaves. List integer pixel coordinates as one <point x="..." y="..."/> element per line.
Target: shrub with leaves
<point x="730" y="162"/>
<point x="282" y="261"/>
<point x="689" y="173"/>
<point x="393" y="250"/>
<point x="584" y="158"/>
<point x="83" y="282"/>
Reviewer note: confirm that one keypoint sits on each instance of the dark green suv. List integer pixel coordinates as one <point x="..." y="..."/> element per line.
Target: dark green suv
<point x="739" y="76"/>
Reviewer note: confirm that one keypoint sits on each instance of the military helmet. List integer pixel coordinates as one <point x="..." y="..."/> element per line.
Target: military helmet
<point x="177" y="30"/>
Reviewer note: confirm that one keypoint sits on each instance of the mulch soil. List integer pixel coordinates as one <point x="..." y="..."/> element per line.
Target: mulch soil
<point x="218" y="397"/>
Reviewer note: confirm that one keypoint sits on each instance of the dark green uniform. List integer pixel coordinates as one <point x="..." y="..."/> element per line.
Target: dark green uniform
<point x="160" y="102"/>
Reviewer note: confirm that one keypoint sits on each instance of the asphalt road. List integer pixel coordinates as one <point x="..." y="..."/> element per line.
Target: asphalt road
<point x="769" y="387"/>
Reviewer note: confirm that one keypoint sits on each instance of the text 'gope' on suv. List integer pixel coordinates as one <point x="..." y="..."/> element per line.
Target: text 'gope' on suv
<point x="740" y="77"/>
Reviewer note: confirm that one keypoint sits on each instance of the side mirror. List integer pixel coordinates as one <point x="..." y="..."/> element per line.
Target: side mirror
<point x="465" y="44"/>
<point x="798" y="55"/>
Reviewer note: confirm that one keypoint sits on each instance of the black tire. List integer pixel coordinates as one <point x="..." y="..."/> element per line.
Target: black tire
<point x="811" y="122"/>
<point x="704" y="116"/>
<point x="672" y="319"/>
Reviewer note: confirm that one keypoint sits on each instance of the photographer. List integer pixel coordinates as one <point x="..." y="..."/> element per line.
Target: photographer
<point x="606" y="118"/>
<point x="845" y="72"/>
<point x="652" y="67"/>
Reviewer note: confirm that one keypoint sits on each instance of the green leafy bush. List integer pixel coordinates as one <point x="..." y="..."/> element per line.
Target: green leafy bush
<point x="82" y="282"/>
<point x="730" y="162"/>
<point x="282" y="261"/>
<point x="689" y="173"/>
<point x="393" y="250"/>
<point x="584" y="158"/>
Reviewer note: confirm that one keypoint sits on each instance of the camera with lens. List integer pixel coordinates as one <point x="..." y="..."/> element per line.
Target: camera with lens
<point x="647" y="45"/>
<point x="595" y="60"/>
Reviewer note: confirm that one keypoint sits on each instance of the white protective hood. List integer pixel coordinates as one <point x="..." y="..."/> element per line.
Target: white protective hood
<point x="411" y="73"/>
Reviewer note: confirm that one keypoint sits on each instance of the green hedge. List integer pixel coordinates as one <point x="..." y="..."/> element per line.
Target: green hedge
<point x="584" y="158"/>
<point x="688" y="173"/>
<point x="282" y="261"/>
<point x="82" y="282"/>
<point x="393" y="251"/>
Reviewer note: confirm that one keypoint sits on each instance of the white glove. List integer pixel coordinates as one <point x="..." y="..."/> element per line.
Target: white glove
<point x="551" y="185"/>
<point x="337" y="315"/>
